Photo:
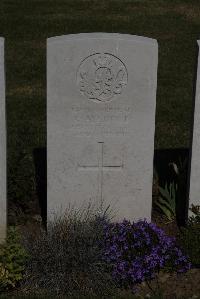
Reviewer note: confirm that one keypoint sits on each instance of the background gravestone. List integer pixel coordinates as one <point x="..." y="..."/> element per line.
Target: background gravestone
<point x="101" y="100"/>
<point x="195" y="162"/>
<point x="3" y="208"/>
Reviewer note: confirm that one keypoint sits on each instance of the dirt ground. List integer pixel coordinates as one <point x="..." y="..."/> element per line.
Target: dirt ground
<point x="175" y="286"/>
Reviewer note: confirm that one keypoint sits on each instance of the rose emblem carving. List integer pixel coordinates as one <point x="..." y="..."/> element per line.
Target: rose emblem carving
<point x="101" y="77"/>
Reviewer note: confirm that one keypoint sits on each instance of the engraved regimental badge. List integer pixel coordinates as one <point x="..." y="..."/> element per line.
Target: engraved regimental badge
<point x="101" y="77"/>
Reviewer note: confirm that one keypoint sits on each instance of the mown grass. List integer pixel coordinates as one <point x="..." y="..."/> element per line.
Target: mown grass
<point x="27" y="23"/>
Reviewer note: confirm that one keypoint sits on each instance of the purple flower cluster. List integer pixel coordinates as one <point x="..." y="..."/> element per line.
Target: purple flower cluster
<point x="137" y="251"/>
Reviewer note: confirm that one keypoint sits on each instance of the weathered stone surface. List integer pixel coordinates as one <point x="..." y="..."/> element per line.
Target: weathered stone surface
<point x="3" y="203"/>
<point x="101" y="100"/>
<point x="195" y="163"/>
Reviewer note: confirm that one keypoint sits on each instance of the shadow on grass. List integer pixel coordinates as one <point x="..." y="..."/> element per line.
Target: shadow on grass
<point x="40" y="161"/>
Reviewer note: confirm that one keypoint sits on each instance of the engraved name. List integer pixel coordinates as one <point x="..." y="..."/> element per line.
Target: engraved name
<point x="106" y="114"/>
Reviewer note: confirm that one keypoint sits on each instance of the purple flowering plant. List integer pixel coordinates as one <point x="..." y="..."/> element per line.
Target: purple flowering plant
<point x="137" y="251"/>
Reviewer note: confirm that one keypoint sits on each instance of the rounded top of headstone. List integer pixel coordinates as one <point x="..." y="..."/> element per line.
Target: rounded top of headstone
<point x="102" y="35"/>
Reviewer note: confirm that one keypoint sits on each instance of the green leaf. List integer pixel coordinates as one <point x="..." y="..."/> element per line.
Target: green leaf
<point x="165" y="203"/>
<point x="164" y="192"/>
<point x="165" y="210"/>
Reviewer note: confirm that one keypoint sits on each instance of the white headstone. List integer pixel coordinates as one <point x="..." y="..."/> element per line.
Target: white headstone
<point x="101" y="101"/>
<point x="195" y="162"/>
<point x="3" y="202"/>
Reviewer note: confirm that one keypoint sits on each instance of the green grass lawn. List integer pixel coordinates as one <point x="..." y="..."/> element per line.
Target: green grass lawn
<point x="27" y="23"/>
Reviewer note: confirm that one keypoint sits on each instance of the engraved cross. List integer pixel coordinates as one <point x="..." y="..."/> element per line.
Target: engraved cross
<point x="101" y="167"/>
